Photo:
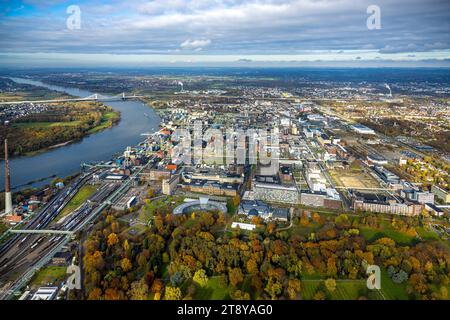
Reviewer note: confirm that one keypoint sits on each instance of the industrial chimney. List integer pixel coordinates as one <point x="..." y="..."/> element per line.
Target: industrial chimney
<point x="8" y="199"/>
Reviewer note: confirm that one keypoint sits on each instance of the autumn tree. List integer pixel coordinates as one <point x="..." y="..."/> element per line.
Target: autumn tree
<point x="112" y="239"/>
<point x="316" y="218"/>
<point x="331" y="267"/>
<point x="235" y="275"/>
<point x="256" y="283"/>
<point x="342" y="221"/>
<point x="252" y="266"/>
<point x="112" y="294"/>
<point x="273" y="288"/>
<point x="157" y="286"/>
<point x="270" y="227"/>
<point x="139" y="290"/>
<point x="236" y="200"/>
<point x="201" y="278"/>
<point x="319" y="295"/>
<point x="126" y="245"/>
<point x="304" y="221"/>
<point x="330" y="284"/>
<point x="293" y="288"/>
<point x="95" y="294"/>
<point x="172" y="293"/>
<point x="240" y="295"/>
<point x="126" y="265"/>
<point x="94" y="261"/>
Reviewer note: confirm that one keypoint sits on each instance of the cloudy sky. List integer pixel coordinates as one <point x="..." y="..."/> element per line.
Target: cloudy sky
<point x="165" y="32"/>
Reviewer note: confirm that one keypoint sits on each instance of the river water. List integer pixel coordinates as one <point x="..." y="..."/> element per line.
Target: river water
<point x="136" y="118"/>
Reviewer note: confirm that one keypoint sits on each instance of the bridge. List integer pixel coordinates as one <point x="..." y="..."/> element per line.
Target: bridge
<point x="59" y="232"/>
<point x="92" y="97"/>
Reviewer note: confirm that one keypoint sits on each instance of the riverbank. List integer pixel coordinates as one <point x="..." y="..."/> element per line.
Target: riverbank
<point x="135" y="119"/>
<point x="57" y="127"/>
<point x="111" y="119"/>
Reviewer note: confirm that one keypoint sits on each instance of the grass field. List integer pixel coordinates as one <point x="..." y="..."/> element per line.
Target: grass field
<point x="392" y="290"/>
<point x="345" y="290"/>
<point x="82" y="195"/>
<point x="106" y="122"/>
<point x="49" y="275"/>
<point x="148" y="210"/>
<point x="213" y="291"/>
<point x="45" y="124"/>
<point x="304" y="231"/>
<point x="427" y="234"/>
<point x="371" y="234"/>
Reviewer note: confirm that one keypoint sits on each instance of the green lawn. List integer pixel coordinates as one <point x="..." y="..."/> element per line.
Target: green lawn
<point x="212" y="291"/>
<point x="149" y="209"/>
<point x="349" y="290"/>
<point x="45" y="124"/>
<point x="304" y="231"/>
<point x="109" y="115"/>
<point x="353" y="289"/>
<point x="392" y="290"/>
<point x="371" y="234"/>
<point x="82" y="195"/>
<point x="309" y="288"/>
<point x="427" y="234"/>
<point x="399" y="237"/>
<point x="345" y="289"/>
<point x="49" y="275"/>
<point x="105" y="123"/>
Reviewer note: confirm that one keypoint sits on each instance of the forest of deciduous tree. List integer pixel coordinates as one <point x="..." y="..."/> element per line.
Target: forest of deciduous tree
<point x="178" y="255"/>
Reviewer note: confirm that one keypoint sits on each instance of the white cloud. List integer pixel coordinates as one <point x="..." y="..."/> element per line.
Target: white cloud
<point x="242" y="27"/>
<point x="196" y="45"/>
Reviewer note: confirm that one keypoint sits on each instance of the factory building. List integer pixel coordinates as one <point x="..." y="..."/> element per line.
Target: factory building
<point x="441" y="194"/>
<point x="359" y="128"/>
<point x="385" y="204"/>
<point x="169" y="185"/>
<point x="329" y="199"/>
<point x="374" y="159"/>
<point x="269" y="188"/>
<point x="387" y="176"/>
<point x="257" y="208"/>
<point x="212" y="187"/>
<point x="419" y="196"/>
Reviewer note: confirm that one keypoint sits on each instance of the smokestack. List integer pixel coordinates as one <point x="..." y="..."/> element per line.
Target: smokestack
<point x="8" y="198"/>
<point x="390" y="91"/>
<point x="181" y="85"/>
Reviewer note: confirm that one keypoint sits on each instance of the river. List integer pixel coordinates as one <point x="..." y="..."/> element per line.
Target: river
<point x="136" y="118"/>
